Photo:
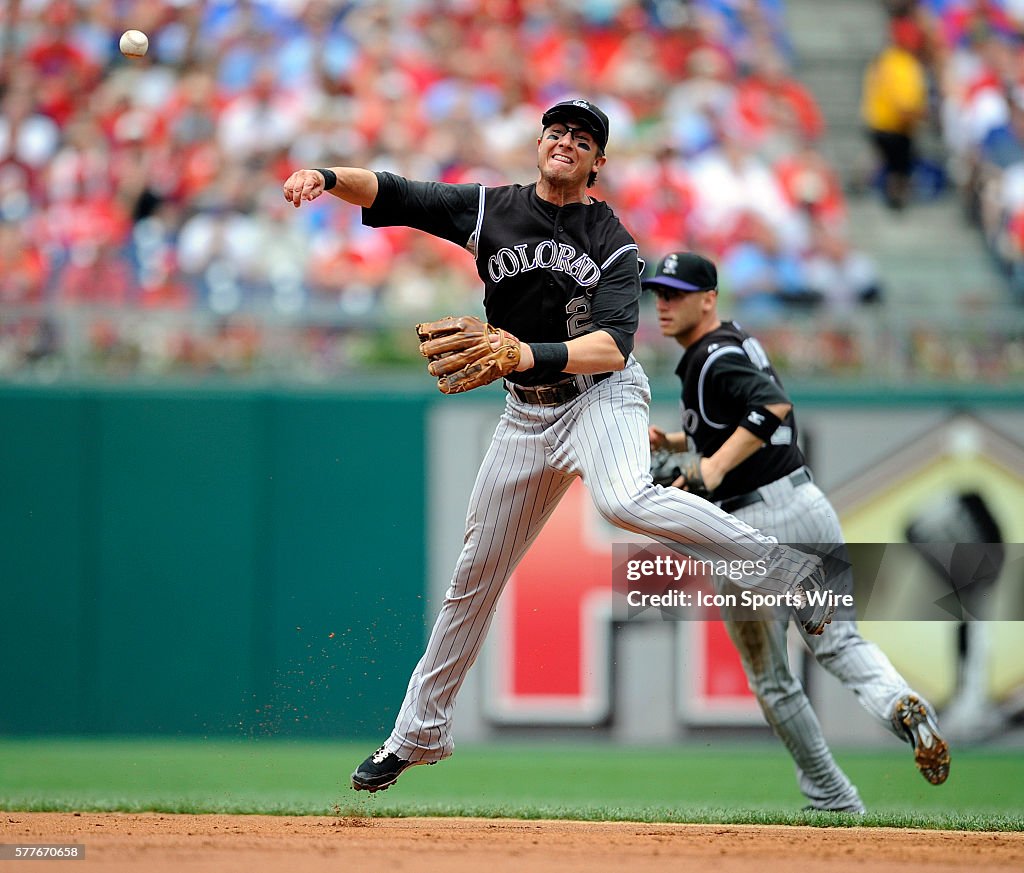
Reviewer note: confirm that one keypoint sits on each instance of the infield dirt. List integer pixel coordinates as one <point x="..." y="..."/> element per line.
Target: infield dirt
<point x="158" y="842"/>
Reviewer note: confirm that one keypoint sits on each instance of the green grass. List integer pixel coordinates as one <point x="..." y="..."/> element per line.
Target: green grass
<point x="720" y="783"/>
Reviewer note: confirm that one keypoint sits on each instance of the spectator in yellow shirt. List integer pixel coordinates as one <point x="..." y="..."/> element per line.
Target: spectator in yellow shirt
<point x="894" y="103"/>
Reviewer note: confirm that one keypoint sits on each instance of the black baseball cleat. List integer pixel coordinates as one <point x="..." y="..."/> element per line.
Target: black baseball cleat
<point x="381" y="770"/>
<point x="914" y="718"/>
<point x="816" y="611"/>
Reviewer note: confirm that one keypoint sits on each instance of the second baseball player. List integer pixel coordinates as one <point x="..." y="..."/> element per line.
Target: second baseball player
<point x="738" y="416"/>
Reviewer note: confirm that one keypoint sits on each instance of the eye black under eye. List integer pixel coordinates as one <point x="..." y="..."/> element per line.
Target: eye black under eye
<point x="579" y="141"/>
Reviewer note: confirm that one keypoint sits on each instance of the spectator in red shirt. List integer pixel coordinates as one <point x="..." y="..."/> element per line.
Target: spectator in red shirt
<point x="66" y="73"/>
<point x="23" y="270"/>
<point x="97" y="274"/>
<point x="771" y="103"/>
<point x="685" y="34"/>
<point x="811" y="183"/>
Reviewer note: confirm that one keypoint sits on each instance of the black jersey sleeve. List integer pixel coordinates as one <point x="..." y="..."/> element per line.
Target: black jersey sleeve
<point x="616" y="304"/>
<point x="440" y="209"/>
<point x="733" y="384"/>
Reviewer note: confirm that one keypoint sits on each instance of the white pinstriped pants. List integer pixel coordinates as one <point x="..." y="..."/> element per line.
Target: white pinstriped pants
<point x="535" y="454"/>
<point x="804" y="515"/>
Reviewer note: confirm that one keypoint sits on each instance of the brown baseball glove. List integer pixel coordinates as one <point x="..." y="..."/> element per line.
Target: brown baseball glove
<point x="465" y="352"/>
<point x="667" y="467"/>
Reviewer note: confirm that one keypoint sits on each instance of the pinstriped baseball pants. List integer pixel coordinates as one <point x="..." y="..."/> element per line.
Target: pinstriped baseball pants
<point x="803" y="514"/>
<point x="534" y="456"/>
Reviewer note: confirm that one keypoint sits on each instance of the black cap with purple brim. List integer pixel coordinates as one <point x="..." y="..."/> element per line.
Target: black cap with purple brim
<point x="592" y="118"/>
<point x="683" y="271"/>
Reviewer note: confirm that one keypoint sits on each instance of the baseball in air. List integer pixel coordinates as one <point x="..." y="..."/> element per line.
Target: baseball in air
<point x="134" y="43"/>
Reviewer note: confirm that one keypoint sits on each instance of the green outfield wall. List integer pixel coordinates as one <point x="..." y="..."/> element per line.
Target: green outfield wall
<point x="209" y="562"/>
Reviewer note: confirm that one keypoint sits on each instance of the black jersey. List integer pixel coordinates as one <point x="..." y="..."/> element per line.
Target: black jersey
<point x="550" y="273"/>
<point x="724" y="374"/>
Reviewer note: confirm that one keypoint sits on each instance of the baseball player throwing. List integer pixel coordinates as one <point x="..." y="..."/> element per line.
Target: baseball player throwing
<point x="561" y="288"/>
<point x="738" y="416"/>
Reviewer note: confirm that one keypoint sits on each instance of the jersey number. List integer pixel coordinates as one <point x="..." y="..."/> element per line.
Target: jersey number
<point x="578" y="310"/>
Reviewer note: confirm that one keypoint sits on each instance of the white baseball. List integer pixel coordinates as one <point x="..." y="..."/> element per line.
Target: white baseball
<point x="134" y="43"/>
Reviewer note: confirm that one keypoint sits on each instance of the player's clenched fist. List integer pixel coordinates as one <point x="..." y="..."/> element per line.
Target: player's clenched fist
<point x="304" y="185"/>
<point x="351" y="184"/>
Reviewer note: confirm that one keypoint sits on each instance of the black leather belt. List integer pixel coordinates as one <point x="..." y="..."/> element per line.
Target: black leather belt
<point x="549" y="395"/>
<point x="731" y="504"/>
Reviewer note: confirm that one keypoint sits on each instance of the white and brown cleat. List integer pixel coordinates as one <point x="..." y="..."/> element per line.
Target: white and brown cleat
<point x="914" y="718"/>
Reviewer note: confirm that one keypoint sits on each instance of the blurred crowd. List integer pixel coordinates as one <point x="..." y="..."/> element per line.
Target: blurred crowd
<point x="153" y="186"/>
<point x="972" y="55"/>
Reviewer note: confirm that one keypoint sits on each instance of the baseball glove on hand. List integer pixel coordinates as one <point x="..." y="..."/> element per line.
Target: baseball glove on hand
<point x="466" y="352"/>
<point x="667" y="467"/>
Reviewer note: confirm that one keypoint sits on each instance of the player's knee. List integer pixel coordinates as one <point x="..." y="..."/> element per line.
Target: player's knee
<point x="621" y="510"/>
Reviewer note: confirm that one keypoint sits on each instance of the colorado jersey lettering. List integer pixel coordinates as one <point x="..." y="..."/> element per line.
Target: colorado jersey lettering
<point x="546" y="254"/>
<point x="550" y="273"/>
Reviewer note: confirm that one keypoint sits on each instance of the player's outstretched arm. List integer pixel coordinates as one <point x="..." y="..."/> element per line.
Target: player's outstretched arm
<point x="351" y="184"/>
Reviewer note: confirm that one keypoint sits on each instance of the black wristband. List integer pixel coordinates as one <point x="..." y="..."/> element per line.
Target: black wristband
<point x="549" y="359"/>
<point x="761" y="422"/>
<point x="330" y="177"/>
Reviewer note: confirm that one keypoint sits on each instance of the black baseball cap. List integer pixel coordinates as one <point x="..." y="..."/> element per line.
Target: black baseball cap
<point x="594" y="120"/>
<point x="683" y="271"/>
